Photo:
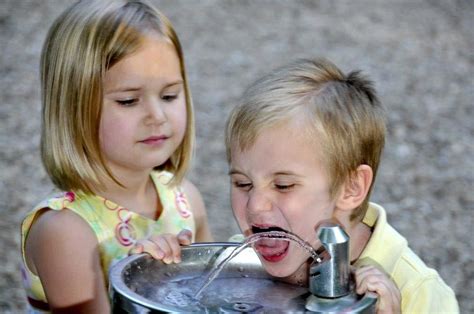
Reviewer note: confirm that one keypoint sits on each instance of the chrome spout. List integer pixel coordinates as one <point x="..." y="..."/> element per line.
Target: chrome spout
<point x="331" y="277"/>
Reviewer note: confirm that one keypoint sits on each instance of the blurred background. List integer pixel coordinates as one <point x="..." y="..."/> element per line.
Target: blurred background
<point x="419" y="52"/>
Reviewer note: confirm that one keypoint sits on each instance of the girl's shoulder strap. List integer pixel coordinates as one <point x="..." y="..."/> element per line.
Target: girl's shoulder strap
<point x="173" y="197"/>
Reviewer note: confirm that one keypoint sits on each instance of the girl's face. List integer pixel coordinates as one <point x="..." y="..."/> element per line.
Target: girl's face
<point x="279" y="183"/>
<point x="144" y="110"/>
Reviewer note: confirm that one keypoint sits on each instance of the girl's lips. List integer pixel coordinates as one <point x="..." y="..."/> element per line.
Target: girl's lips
<point x="154" y="140"/>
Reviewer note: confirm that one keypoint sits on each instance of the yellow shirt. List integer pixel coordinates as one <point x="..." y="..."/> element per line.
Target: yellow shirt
<point x="116" y="228"/>
<point x="421" y="288"/>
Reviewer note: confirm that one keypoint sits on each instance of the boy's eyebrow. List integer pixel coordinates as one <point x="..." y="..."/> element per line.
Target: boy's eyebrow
<point x="285" y="173"/>
<point x="234" y="171"/>
<point x="279" y="173"/>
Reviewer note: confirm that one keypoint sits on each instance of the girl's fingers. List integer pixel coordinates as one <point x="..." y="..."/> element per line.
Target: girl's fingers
<point x="185" y="237"/>
<point x="165" y="247"/>
<point x="157" y="251"/>
<point x="136" y="249"/>
<point x="168" y="244"/>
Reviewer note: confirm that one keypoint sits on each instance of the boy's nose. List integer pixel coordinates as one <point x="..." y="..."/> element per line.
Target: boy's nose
<point x="258" y="201"/>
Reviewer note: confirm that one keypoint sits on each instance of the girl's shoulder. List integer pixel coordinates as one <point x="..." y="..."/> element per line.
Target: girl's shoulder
<point x="55" y="215"/>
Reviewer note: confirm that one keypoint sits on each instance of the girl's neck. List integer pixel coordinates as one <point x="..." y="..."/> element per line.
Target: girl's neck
<point x="137" y="193"/>
<point x="132" y="183"/>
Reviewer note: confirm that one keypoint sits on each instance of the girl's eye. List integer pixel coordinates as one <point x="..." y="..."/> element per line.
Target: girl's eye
<point x="169" y="98"/>
<point x="284" y="187"/>
<point x="127" y="102"/>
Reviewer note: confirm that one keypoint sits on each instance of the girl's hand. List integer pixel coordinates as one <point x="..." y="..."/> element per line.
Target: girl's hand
<point x="165" y="247"/>
<point x="372" y="279"/>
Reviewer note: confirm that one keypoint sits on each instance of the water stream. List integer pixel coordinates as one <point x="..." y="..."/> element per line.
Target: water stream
<point x="285" y="236"/>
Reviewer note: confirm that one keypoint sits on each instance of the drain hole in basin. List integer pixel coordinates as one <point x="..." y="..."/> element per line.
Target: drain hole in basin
<point x="240" y="307"/>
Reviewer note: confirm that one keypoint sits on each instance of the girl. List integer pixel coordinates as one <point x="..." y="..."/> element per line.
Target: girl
<point x="117" y="138"/>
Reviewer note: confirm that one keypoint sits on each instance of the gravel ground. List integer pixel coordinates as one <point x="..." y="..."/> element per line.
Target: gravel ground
<point x="417" y="51"/>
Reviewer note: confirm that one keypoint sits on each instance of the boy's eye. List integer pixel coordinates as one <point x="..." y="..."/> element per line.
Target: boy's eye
<point x="127" y="102"/>
<point x="243" y="185"/>
<point x="284" y="187"/>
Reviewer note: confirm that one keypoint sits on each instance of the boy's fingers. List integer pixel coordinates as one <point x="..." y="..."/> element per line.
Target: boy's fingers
<point x="388" y="295"/>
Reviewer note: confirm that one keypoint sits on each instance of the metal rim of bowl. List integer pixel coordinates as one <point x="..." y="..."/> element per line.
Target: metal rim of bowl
<point x="117" y="284"/>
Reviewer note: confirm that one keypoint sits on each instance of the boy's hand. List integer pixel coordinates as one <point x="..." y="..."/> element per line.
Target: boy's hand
<point x="165" y="247"/>
<point x="372" y="279"/>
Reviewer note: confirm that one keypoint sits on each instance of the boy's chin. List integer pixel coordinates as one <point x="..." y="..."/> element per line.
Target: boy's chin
<point x="281" y="269"/>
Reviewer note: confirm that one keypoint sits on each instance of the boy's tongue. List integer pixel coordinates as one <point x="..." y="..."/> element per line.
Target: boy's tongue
<point x="271" y="246"/>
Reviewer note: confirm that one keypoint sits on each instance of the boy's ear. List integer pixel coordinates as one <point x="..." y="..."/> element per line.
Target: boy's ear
<point x="355" y="189"/>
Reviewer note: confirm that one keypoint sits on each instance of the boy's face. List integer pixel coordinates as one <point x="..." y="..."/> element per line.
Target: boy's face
<point x="279" y="182"/>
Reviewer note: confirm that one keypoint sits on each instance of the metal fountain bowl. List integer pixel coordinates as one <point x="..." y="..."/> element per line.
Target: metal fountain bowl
<point x="141" y="284"/>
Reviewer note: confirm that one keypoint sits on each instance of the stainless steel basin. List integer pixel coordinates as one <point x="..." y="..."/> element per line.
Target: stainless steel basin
<point x="140" y="284"/>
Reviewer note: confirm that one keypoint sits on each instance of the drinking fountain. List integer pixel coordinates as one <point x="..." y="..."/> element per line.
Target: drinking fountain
<point x="141" y="284"/>
<point x="330" y="281"/>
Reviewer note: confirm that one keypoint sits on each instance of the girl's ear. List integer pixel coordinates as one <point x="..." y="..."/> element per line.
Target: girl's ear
<point x="355" y="189"/>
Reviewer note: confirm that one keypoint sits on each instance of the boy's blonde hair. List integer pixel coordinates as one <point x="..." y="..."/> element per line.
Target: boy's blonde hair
<point x="82" y="44"/>
<point x="343" y="113"/>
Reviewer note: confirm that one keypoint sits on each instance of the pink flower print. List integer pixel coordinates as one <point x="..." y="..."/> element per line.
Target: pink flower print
<point x="124" y="232"/>
<point x="70" y="196"/>
<point x="62" y="201"/>
<point x="182" y="204"/>
<point x="110" y="205"/>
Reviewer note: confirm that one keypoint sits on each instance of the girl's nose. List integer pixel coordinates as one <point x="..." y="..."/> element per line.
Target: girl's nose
<point x="155" y="113"/>
<point x="258" y="201"/>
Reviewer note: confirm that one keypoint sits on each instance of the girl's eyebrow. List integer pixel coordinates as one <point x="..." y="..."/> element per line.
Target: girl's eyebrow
<point x="134" y="88"/>
<point x="179" y="82"/>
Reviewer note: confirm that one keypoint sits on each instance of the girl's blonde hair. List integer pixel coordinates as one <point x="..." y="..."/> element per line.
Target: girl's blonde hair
<point x="340" y="112"/>
<point x="82" y="44"/>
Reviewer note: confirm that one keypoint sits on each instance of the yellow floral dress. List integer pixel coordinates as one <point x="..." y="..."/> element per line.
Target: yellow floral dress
<point x="116" y="228"/>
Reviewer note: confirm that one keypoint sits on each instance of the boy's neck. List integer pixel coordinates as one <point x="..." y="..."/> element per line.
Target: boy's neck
<point x="359" y="234"/>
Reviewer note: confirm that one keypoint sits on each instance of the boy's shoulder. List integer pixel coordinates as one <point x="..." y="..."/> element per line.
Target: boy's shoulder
<point x="388" y="248"/>
<point x="421" y="286"/>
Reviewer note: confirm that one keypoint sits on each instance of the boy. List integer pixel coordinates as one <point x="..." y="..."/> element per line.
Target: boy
<point x="303" y="146"/>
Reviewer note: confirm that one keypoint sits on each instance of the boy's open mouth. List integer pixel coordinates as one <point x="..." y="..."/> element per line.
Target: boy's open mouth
<point x="271" y="249"/>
